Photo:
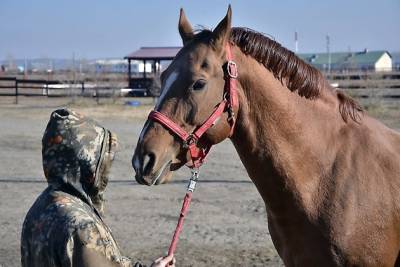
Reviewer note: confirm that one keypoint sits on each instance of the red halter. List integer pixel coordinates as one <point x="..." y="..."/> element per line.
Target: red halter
<point x="228" y="103"/>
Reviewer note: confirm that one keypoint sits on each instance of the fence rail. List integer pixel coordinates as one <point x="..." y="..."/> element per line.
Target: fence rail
<point x="12" y="86"/>
<point x="363" y="79"/>
<point x="357" y="84"/>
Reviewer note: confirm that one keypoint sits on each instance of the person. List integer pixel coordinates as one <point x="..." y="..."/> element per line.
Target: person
<point x="64" y="227"/>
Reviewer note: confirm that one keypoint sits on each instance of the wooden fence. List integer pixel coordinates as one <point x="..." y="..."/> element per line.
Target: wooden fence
<point x="12" y="86"/>
<point x="378" y="85"/>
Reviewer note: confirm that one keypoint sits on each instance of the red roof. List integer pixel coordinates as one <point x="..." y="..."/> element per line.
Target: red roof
<point x="160" y="53"/>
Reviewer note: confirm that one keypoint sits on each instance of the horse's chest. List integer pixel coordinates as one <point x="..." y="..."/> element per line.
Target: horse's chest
<point x="300" y="243"/>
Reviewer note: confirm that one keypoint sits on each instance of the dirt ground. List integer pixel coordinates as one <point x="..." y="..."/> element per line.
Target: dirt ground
<point x="226" y="225"/>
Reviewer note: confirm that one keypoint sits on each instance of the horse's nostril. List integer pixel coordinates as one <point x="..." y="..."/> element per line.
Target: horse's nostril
<point x="148" y="163"/>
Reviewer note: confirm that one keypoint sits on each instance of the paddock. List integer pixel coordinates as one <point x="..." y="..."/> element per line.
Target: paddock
<point x="226" y="224"/>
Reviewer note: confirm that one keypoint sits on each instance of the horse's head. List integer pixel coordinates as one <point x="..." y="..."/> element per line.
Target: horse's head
<point x="192" y="88"/>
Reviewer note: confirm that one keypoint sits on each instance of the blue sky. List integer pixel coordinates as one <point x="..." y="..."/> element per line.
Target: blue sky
<point x="95" y="28"/>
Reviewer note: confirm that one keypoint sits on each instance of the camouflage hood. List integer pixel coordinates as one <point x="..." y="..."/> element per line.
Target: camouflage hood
<point x="73" y="150"/>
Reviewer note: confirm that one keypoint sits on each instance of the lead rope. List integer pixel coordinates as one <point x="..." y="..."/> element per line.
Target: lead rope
<point x="185" y="207"/>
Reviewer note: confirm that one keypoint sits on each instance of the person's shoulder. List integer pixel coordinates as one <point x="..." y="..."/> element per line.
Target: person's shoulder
<point x="72" y="210"/>
<point x="37" y="211"/>
<point x="59" y="212"/>
<point x="80" y="219"/>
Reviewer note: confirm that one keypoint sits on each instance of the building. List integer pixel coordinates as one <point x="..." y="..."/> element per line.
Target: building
<point x="111" y="66"/>
<point x="396" y="60"/>
<point x="342" y="61"/>
<point x="157" y="57"/>
<point x="153" y="59"/>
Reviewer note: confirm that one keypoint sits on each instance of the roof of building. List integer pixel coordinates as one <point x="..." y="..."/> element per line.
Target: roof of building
<point x="344" y="58"/>
<point x="395" y="57"/>
<point x="154" y="53"/>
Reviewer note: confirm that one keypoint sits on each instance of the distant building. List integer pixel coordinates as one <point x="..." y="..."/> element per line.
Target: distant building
<point x="153" y="59"/>
<point x="158" y="58"/>
<point x="342" y="61"/>
<point x="120" y="66"/>
<point x="396" y="60"/>
<point x="39" y="65"/>
<point x="111" y="65"/>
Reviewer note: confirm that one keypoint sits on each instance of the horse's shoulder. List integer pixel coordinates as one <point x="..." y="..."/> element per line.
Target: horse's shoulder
<point x="368" y="152"/>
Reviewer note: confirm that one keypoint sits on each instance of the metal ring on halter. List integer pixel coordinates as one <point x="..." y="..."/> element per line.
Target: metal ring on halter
<point x="231" y="69"/>
<point x="231" y="117"/>
<point x="189" y="141"/>
<point x="226" y="96"/>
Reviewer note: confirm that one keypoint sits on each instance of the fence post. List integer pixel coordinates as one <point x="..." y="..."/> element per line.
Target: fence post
<point x="83" y="88"/>
<point x="114" y="96"/>
<point x="16" y="91"/>
<point x="47" y="88"/>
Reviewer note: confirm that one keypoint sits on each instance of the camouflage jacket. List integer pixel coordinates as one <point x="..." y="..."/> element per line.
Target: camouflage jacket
<point x="64" y="226"/>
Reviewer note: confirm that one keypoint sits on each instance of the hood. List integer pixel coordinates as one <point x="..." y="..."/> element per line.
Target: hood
<point x="73" y="150"/>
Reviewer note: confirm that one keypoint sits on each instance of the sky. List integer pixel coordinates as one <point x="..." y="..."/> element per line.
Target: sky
<point x="104" y="29"/>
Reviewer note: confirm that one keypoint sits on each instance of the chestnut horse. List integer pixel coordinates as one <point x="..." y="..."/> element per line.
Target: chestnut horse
<point x="328" y="173"/>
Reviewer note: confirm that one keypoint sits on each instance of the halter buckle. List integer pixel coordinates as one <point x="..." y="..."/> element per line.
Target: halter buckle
<point x="191" y="140"/>
<point x="231" y="69"/>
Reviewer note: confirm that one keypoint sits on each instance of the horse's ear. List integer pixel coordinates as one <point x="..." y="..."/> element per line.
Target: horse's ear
<point x="222" y="32"/>
<point x="185" y="29"/>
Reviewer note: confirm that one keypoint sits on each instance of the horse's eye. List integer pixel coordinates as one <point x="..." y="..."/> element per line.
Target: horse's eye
<point x="199" y="85"/>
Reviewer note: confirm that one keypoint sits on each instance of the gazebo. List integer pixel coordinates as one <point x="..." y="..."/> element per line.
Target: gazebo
<point x="149" y="54"/>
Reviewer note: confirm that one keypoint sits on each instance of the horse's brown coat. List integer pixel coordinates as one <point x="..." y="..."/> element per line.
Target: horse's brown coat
<point x="329" y="174"/>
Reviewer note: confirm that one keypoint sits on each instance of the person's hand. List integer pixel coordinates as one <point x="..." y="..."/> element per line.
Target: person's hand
<point x="167" y="261"/>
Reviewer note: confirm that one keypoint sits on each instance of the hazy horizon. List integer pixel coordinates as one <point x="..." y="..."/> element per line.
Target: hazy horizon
<point x="101" y="29"/>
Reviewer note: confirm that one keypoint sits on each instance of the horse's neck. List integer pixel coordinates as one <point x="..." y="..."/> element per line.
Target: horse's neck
<point x="280" y="138"/>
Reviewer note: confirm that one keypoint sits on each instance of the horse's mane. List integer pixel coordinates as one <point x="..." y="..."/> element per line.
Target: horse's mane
<point x="283" y="63"/>
<point x="298" y="76"/>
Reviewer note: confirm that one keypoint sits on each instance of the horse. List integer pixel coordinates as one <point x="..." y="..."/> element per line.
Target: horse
<point x="329" y="174"/>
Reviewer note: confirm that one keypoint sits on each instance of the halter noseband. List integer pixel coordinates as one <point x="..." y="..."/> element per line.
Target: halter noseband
<point x="228" y="103"/>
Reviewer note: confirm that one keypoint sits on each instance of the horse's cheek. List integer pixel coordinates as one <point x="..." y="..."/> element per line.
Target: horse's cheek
<point x="219" y="132"/>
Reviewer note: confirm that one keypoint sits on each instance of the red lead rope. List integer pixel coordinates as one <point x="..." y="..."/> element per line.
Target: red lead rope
<point x="185" y="207"/>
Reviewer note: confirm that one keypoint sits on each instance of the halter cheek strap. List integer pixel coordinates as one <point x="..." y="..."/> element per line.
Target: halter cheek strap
<point x="228" y="104"/>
